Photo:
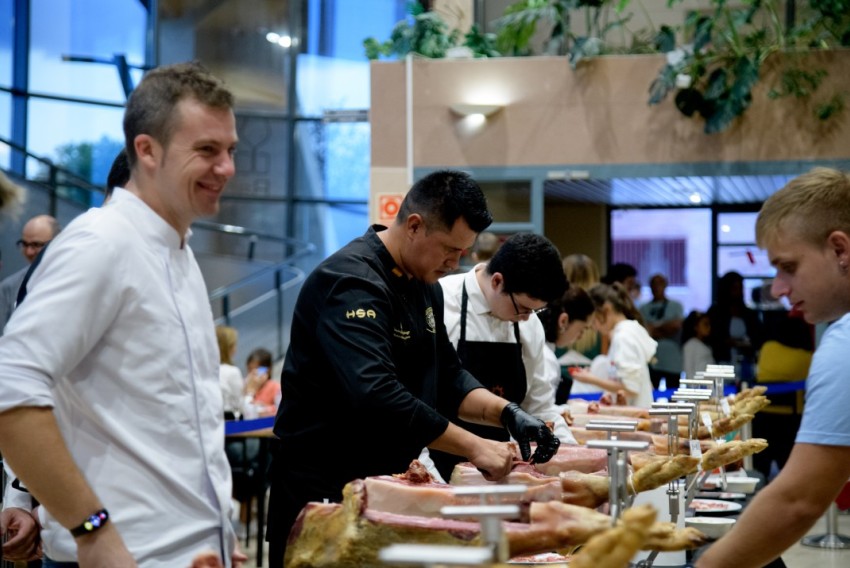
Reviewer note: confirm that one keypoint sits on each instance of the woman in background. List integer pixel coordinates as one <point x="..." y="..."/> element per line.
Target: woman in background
<point x="563" y="323"/>
<point x="583" y="273"/>
<point x="229" y="375"/>
<point x="736" y="330"/>
<point x="264" y="393"/>
<point x="631" y="347"/>
<point x="696" y="353"/>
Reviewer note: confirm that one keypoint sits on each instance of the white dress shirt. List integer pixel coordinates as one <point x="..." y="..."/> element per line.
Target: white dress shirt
<point x="481" y="325"/>
<point x="117" y="336"/>
<point x="232" y="387"/>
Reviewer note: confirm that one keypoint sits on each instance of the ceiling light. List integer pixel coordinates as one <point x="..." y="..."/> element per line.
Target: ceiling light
<point x="695" y="198"/>
<point x="282" y="40"/>
<point x="725" y="228"/>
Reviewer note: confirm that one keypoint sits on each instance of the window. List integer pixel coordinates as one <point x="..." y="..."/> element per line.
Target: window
<point x="90" y="28"/>
<point x="654" y="256"/>
<point x="5" y="128"/>
<point x="82" y="138"/>
<point x="7" y="27"/>
<point x="673" y="242"/>
<point x="737" y="251"/>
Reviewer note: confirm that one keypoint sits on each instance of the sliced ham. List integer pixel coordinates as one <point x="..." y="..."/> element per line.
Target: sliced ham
<point x="393" y="495"/>
<point x="574" y="458"/>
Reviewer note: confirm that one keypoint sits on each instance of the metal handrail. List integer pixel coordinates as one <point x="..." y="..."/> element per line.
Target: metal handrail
<point x="294" y="249"/>
<point x="52" y="182"/>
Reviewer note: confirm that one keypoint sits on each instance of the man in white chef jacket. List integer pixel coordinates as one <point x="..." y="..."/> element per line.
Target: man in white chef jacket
<point x="110" y="368"/>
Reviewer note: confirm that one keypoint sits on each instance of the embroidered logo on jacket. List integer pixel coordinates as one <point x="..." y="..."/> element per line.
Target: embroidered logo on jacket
<point x="401" y="334"/>
<point x="360" y="313"/>
<point x="429" y="320"/>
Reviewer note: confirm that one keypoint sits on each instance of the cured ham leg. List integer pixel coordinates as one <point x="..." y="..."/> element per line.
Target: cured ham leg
<point x="586" y="489"/>
<point x="662" y="470"/>
<point x="731" y="452"/>
<point x="393" y="495"/>
<point x="350" y="535"/>
<point x="719" y="426"/>
<point x="574" y="458"/>
<point x="750" y="393"/>
<point x="615" y="547"/>
<point x="643" y="424"/>
<point x="582" y="435"/>
<point x="575" y="487"/>
<point x="583" y="523"/>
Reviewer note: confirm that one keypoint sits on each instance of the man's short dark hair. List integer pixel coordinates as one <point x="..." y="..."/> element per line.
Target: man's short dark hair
<point x="441" y="198"/>
<point x="151" y="106"/>
<point x="618" y="272"/>
<point x="530" y="264"/>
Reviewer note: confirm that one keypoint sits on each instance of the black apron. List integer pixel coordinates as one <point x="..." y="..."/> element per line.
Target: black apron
<point x="499" y="367"/>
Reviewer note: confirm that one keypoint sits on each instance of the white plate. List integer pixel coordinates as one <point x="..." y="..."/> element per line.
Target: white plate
<point x="540" y="559"/>
<point x="721" y="495"/>
<point x="714" y="507"/>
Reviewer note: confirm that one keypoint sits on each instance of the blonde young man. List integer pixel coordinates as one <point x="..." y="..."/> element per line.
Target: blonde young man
<point x="110" y="368"/>
<point x="805" y="228"/>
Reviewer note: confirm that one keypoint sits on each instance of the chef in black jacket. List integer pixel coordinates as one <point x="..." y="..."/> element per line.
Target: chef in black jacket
<point x="370" y="374"/>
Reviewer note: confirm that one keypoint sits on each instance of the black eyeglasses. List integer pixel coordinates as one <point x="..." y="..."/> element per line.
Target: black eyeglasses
<point x="526" y="311"/>
<point x="30" y="244"/>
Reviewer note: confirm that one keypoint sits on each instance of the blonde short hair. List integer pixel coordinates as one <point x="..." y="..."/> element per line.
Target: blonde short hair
<point x="227" y="338"/>
<point x="811" y="206"/>
<point x="581" y="271"/>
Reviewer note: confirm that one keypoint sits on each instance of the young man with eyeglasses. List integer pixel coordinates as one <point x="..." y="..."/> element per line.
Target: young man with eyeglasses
<point x="35" y="235"/>
<point x="491" y="318"/>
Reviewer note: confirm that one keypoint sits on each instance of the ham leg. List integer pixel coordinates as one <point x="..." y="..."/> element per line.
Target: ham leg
<point x="350" y="535"/>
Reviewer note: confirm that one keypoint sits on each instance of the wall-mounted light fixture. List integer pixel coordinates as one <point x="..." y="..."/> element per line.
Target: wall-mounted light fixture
<point x="466" y="109"/>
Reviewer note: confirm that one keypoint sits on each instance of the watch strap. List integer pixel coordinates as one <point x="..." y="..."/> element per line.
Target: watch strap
<point x="93" y="523"/>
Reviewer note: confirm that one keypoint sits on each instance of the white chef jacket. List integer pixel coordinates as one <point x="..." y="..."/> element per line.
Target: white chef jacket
<point x="630" y="352"/>
<point x="117" y="336"/>
<point x="481" y="325"/>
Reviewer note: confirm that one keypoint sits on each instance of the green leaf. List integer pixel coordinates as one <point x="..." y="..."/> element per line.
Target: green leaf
<point x="665" y="40"/>
<point x="746" y="76"/>
<point x="583" y="48"/>
<point x="722" y="116"/>
<point x="414" y="8"/>
<point x="662" y="85"/>
<point x="704" y="29"/>
<point x="372" y="48"/>
<point x="717" y="86"/>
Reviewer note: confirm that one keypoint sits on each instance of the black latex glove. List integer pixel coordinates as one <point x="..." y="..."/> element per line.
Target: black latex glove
<point x="525" y="429"/>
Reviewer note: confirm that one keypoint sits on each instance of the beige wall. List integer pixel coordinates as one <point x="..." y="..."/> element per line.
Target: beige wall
<point x="597" y="114"/>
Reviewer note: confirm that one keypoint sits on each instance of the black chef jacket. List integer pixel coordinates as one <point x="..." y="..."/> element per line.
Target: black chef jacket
<point x="369" y="364"/>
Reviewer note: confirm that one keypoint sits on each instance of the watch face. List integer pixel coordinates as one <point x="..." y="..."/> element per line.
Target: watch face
<point x="92" y="523"/>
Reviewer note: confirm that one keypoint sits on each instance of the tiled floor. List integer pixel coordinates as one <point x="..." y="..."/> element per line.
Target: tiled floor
<point x="800" y="556"/>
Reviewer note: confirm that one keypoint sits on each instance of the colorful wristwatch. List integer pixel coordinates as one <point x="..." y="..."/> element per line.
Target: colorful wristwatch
<point x="91" y="524"/>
